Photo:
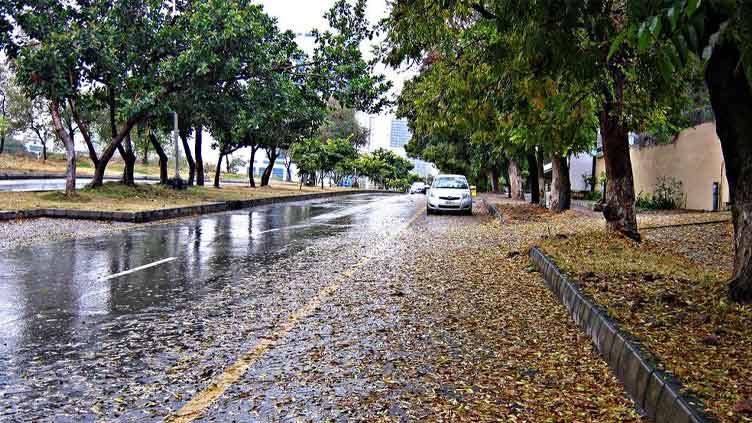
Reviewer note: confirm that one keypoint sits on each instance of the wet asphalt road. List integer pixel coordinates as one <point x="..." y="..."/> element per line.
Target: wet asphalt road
<point x="360" y="308"/>
<point x="128" y="326"/>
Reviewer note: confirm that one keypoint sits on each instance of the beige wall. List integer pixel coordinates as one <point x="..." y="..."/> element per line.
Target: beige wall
<point x="695" y="158"/>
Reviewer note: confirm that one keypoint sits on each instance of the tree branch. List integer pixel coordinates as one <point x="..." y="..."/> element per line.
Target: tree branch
<point x="487" y="14"/>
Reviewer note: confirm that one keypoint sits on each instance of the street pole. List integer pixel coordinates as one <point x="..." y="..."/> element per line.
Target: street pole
<point x="177" y="145"/>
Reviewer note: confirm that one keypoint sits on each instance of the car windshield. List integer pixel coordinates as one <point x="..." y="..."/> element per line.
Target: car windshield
<point x="451" y="182"/>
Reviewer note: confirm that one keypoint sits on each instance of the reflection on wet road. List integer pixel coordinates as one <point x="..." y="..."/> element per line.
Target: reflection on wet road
<point x="73" y="313"/>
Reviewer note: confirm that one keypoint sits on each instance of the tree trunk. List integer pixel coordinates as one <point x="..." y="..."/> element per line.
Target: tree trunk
<point x="516" y="187"/>
<point x="162" y="158"/>
<point x="188" y="157"/>
<point x="619" y="203"/>
<point x="731" y="97"/>
<point x="251" y="167"/>
<point x="561" y="189"/>
<point x="199" y="157"/>
<point x="593" y="175"/>
<point x="2" y="144"/>
<point x="109" y="151"/>
<point x="126" y="150"/>
<point x="541" y="178"/>
<point x="532" y="166"/>
<point x="271" y="154"/>
<point x="145" y="157"/>
<point x="227" y="163"/>
<point x="288" y="165"/>
<point x="493" y="174"/>
<point x="44" y="151"/>
<point x="70" y="150"/>
<point x="218" y="171"/>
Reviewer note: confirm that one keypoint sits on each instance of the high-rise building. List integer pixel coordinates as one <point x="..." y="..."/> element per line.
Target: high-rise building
<point x="399" y="134"/>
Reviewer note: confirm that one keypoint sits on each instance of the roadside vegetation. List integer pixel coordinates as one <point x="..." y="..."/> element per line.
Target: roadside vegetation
<point x="114" y="196"/>
<point x="669" y="292"/>
<point x="131" y="79"/>
<point x="23" y="164"/>
<point x="134" y="82"/>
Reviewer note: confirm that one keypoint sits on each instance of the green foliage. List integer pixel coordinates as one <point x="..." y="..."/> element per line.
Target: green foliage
<point x="341" y="123"/>
<point x="691" y="30"/>
<point x="385" y="167"/>
<point x="237" y="164"/>
<point x="309" y="155"/>
<point x="498" y="79"/>
<point x="668" y="195"/>
<point x="593" y="196"/>
<point x="223" y="64"/>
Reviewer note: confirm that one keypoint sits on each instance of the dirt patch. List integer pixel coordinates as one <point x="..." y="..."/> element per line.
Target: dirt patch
<point x="522" y="212"/>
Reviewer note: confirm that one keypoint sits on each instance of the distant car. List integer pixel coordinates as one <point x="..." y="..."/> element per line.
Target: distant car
<point x="418" y="188"/>
<point x="449" y="193"/>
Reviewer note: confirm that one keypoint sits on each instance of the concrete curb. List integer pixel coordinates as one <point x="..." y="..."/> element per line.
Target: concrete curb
<point x="653" y="391"/>
<point x="161" y="214"/>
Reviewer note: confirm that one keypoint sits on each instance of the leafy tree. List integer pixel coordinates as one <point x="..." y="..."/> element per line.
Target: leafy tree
<point x="341" y="123"/>
<point x="295" y="115"/>
<point x="310" y="157"/>
<point x="369" y="166"/>
<point x="517" y="45"/>
<point x="335" y="158"/>
<point x="226" y="124"/>
<point x="129" y="57"/>
<point x="27" y="115"/>
<point x="395" y="168"/>
<point x="340" y="156"/>
<point x="675" y="33"/>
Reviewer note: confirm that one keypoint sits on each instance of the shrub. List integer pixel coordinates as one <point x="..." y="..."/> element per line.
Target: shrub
<point x="593" y="196"/>
<point x="668" y="195"/>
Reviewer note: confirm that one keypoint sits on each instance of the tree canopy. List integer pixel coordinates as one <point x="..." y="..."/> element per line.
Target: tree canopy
<point x="140" y="60"/>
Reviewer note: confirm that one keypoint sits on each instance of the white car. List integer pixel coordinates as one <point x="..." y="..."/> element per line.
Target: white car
<point x="418" y="187"/>
<point x="449" y="193"/>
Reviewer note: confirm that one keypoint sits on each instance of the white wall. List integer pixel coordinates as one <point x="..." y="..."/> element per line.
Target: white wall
<point x="580" y="164"/>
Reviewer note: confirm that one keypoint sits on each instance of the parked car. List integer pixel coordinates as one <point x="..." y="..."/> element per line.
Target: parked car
<point x="418" y="188"/>
<point x="449" y="193"/>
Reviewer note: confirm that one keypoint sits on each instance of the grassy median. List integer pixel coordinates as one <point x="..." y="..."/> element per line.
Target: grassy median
<point x="55" y="164"/>
<point x="670" y="292"/>
<point x="114" y="196"/>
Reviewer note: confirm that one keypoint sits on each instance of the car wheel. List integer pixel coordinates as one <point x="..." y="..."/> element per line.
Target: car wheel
<point x="469" y="212"/>
<point x="429" y="211"/>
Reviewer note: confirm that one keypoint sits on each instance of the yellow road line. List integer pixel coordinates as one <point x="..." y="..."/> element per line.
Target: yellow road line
<point x="194" y="408"/>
